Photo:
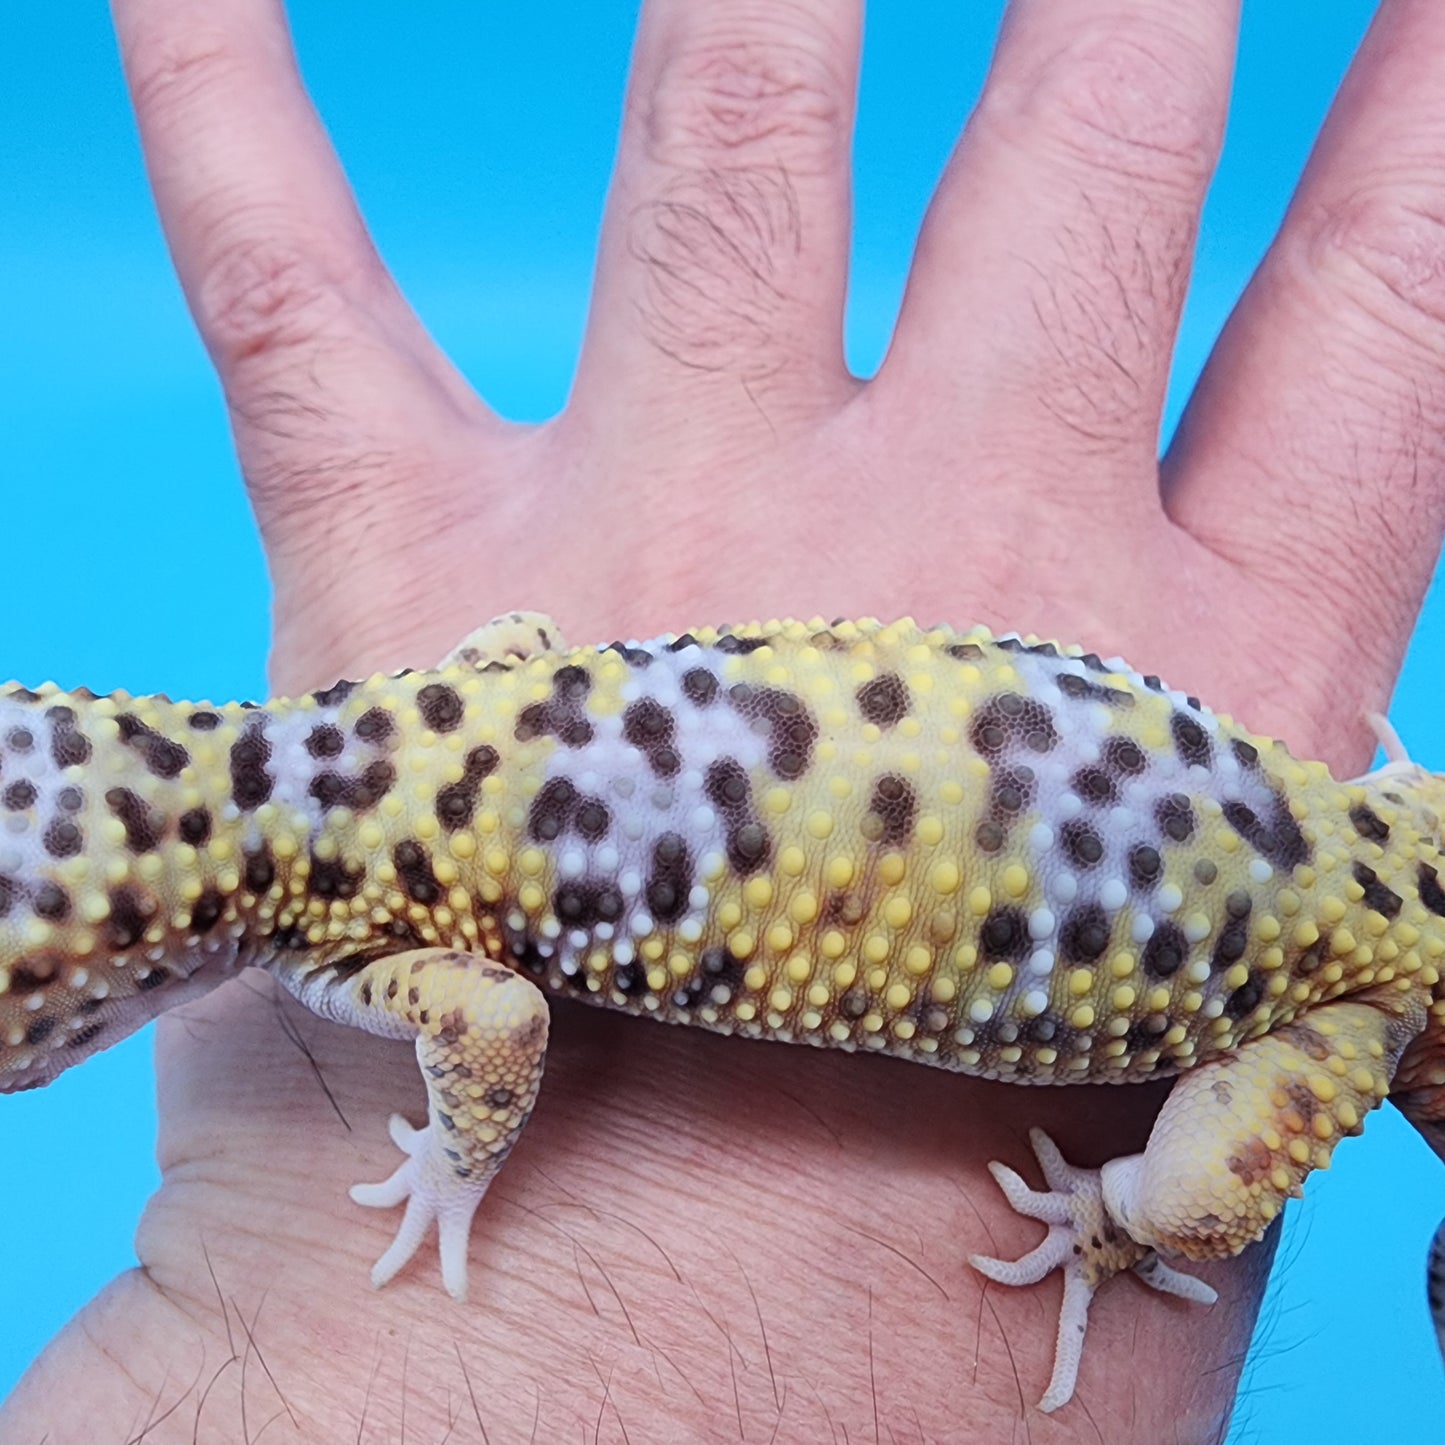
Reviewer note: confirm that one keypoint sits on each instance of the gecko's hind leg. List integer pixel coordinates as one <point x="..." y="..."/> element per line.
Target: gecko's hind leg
<point x="481" y="1041"/>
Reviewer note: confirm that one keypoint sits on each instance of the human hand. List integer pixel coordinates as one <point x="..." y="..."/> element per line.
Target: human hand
<point x="702" y="1239"/>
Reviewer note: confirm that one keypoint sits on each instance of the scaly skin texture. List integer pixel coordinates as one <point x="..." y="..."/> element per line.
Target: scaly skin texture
<point x="998" y="857"/>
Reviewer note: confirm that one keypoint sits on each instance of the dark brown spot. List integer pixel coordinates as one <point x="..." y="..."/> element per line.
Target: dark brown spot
<point x="129" y="912"/>
<point x="1175" y="817"/>
<point x="143" y="824"/>
<point x="1011" y="791"/>
<point x="413" y="866"/>
<point x="21" y="740"/>
<point x="1369" y="824"/>
<point x="884" y="701"/>
<point x="1377" y="895"/>
<point x="63" y="839"/>
<point x="670" y="879"/>
<point x="964" y="651"/>
<point x="791" y="728"/>
<point x="52" y="902"/>
<point x="652" y="729"/>
<point x="88" y="1034"/>
<point x="727" y="784"/>
<point x="204" y="721"/>
<point x="1081" y="689"/>
<point x="333" y="878"/>
<point x="731" y="643"/>
<point x="563" y="715"/>
<point x="1005" y="934"/>
<point x="337" y="693"/>
<point x="40" y="1030"/>
<point x="456" y="802"/>
<point x="260" y="872"/>
<point x="585" y="904"/>
<point x="1246" y="998"/>
<point x="1081" y="843"/>
<point x="1278" y="840"/>
<point x="194" y="826"/>
<point x="441" y="707"/>
<point x="1165" y="952"/>
<point x="161" y="755"/>
<point x="208" y="910"/>
<point x="1191" y="742"/>
<point x="325" y="741"/>
<point x="1233" y="940"/>
<point x="989" y="835"/>
<point x="593" y="819"/>
<point x="1431" y="893"/>
<point x="894" y="805"/>
<point x="1009" y="718"/>
<point x="19" y="795"/>
<point x="1085" y="934"/>
<point x="332" y="790"/>
<point x="375" y="725"/>
<point x="1094" y="786"/>
<point x="551" y="810"/>
<point x="748" y="847"/>
<point x="251" y="784"/>
<point x="68" y="746"/>
<point x="70" y="799"/>
<point x="1124" y="756"/>
<point x="1246" y="754"/>
<point x="699" y="686"/>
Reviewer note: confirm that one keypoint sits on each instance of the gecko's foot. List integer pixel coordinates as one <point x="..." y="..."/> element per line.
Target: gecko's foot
<point x="429" y="1185"/>
<point x="1083" y="1241"/>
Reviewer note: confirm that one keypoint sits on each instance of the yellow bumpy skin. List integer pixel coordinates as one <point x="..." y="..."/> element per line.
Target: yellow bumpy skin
<point x="993" y="855"/>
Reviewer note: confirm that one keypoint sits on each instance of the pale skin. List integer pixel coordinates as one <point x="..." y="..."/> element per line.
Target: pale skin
<point x="699" y="1238"/>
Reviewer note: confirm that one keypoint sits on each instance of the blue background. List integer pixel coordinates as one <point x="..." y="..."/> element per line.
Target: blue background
<point x="479" y="139"/>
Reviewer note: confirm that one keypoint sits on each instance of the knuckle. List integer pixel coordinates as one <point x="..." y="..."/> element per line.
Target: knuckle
<point x="168" y="71"/>
<point x="1385" y="246"/>
<point x="728" y="102"/>
<point x="263" y="293"/>
<point x="1137" y="100"/>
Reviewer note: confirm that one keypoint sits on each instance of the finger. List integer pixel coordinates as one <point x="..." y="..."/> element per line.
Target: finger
<point x="1052" y="265"/>
<point x="724" y="255"/>
<point x="1313" y="451"/>
<point x="292" y="301"/>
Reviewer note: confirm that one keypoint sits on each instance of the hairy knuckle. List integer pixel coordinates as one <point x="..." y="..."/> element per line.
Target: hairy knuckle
<point x="262" y="293"/>
<point x="732" y="101"/>
<point x="1138" y="100"/>
<point x="1386" y="246"/>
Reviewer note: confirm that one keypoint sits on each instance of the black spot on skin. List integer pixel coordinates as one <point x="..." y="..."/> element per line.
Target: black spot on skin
<point x="152" y="980"/>
<point x="1431" y="893"/>
<point x="1005" y="934"/>
<point x="1245" y="754"/>
<point x="19" y="795"/>
<point x="699" y="686"/>
<point x="1085" y="934"/>
<point x="1175" y="817"/>
<point x="40" y="1030"/>
<point x="791" y="728"/>
<point x="1165" y="952"/>
<point x="739" y="646"/>
<point x="670" y="880"/>
<point x="207" y="912"/>
<point x="161" y="755"/>
<point x="964" y="651"/>
<point x="1245" y="999"/>
<point x="1081" y="843"/>
<point x="1377" y="895"/>
<point x="1124" y="756"/>
<point x="332" y="790"/>
<point x="884" y="701"/>
<point x="563" y="715"/>
<point x="727" y="784"/>
<point x="129" y="914"/>
<point x="456" y="802"/>
<point x="22" y="694"/>
<point x="63" y="839"/>
<point x="652" y="729"/>
<point x="1011" y="718"/>
<point x="260" y="871"/>
<point x="194" y="826"/>
<point x="1233" y="940"/>
<point x="551" y="810"/>
<point x="68" y="746"/>
<point x="729" y="790"/>
<point x="1279" y="840"/>
<point x="332" y="878"/>
<point x="143" y="824"/>
<point x="204" y="721"/>
<point x="1093" y="662"/>
<point x="1369" y="824"/>
<point x="592" y="819"/>
<point x="375" y="725"/>
<point x="81" y="1037"/>
<point x="441" y="707"/>
<point x="681" y="644"/>
<point x="1191" y="742"/>
<point x="585" y="904"/>
<point x="31" y="974"/>
<point x="413" y="866"/>
<point x="717" y="973"/>
<point x="325" y="741"/>
<point x="1094" y="785"/>
<point x="21" y="740"/>
<point x="1081" y="689"/>
<point x="748" y="847"/>
<point x="989" y="835"/>
<point x="251" y="784"/>
<point x="1011" y="791"/>
<point x="895" y="805"/>
<point x="70" y="799"/>
<point x="335" y="694"/>
<point x="52" y="902"/>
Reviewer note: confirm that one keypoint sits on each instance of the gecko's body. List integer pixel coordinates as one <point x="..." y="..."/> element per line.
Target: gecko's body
<point x="989" y="856"/>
